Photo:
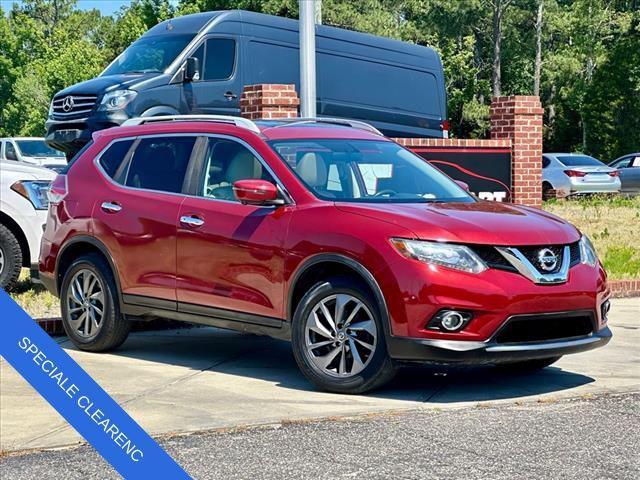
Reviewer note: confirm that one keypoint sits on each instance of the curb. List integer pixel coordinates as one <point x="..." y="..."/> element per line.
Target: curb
<point x="624" y="288"/>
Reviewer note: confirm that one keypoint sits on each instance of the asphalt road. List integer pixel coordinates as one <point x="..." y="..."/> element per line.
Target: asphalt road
<point x="582" y="438"/>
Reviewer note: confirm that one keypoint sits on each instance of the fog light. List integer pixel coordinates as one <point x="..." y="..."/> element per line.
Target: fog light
<point x="449" y="320"/>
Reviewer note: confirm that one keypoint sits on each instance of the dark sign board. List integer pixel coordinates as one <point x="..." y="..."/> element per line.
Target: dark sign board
<point x="487" y="171"/>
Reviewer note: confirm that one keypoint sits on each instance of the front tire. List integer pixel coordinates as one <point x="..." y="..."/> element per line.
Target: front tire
<point x="338" y="338"/>
<point x="90" y="308"/>
<point x="10" y="259"/>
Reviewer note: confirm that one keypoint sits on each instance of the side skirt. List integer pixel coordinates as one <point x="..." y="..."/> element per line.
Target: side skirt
<point x="148" y="308"/>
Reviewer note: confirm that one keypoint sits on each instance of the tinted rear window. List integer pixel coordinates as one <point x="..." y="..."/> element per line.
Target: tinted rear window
<point x="160" y="163"/>
<point x="112" y="159"/>
<point x="579" y="160"/>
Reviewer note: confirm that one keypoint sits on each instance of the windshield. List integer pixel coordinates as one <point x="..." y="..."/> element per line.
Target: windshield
<point x="149" y="54"/>
<point x="579" y="161"/>
<point x="37" y="148"/>
<point x="367" y="171"/>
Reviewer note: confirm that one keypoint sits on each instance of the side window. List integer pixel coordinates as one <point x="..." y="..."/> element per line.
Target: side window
<point x="160" y="163"/>
<point x="10" y="152"/>
<point x="227" y="162"/>
<point x="636" y="162"/>
<point x="545" y="162"/>
<point x="111" y="160"/>
<point x="220" y="58"/>
<point x="1" y="150"/>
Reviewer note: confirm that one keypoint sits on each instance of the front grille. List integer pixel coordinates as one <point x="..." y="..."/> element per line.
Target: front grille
<point x="540" y="328"/>
<point x="574" y="250"/>
<point x="531" y="253"/>
<point x="493" y="258"/>
<point x="69" y="106"/>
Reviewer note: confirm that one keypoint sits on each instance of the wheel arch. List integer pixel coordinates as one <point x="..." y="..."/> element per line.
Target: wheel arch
<point x="326" y="264"/>
<point x="82" y="245"/>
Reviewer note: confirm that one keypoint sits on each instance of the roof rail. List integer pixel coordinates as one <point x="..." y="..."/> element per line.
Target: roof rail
<point x="336" y="121"/>
<point x="237" y="121"/>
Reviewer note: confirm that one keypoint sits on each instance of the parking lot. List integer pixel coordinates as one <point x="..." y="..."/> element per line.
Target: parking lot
<point x="205" y="379"/>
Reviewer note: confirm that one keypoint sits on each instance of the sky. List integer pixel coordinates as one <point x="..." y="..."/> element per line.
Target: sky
<point x="106" y="7"/>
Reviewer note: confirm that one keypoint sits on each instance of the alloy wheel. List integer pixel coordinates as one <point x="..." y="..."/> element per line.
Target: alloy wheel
<point x="340" y="335"/>
<point x="85" y="304"/>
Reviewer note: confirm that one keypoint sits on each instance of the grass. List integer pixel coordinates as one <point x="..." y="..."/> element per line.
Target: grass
<point x="34" y="298"/>
<point x="612" y="224"/>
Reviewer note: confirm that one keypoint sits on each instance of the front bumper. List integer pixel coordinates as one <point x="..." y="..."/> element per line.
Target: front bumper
<point x="70" y="135"/>
<point x="496" y="349"/>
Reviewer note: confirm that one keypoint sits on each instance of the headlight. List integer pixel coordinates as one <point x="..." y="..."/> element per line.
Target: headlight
<point x="588" y="253"/>
<point x="34" y="191"/>
<point x="51" y="109"/>
<point x="117" y="100"/>
<point x="445" y="254"/>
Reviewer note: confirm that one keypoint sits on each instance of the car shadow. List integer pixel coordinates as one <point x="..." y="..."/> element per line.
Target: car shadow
<point x="256" y="357"/>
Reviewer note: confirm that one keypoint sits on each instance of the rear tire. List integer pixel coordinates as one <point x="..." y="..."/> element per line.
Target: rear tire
<point x="90" y="308"/>
<point x="529" y="365"/>
<point x="367" y="364"/>
<point x="10" y="259"/>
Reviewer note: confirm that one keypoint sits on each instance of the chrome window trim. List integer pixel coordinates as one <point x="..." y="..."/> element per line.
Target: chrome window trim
<point x="96" y="161"/>
<point x="522" y="264"/>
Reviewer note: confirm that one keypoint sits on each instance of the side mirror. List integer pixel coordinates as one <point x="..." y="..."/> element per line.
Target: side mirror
<point x="463" y="185"/>
<point x="256" y="192"/>
<point x="192" y="69"/>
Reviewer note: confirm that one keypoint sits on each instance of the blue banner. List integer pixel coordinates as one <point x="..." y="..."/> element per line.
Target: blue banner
<point x="79" y="399"/>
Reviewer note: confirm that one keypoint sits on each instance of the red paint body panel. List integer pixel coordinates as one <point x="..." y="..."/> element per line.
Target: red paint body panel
<point x="235" y="260"/>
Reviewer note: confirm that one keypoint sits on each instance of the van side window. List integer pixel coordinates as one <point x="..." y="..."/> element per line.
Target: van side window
<point x="226" y="162"/>
<point x="160" y="163"/>
<point x="220" y="58"/>
<point x="10" y="152"/>
<point x="199" y="54"/>
<point x="112" y="158"/>
<point x="545" y="162"/>
<point x="1" y="150"/>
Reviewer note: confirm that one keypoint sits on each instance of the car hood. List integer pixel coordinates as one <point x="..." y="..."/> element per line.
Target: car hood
<point x="45" y="160"/>
<point x="100" y="85"/>
<point x="26" y="172"/>
<point x="483" y="222"/>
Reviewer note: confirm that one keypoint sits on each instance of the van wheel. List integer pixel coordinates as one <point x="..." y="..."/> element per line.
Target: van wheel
<point x="528" y="365"/>
<point x="338" y="338"/>
<point x="10" y="259"/>
<point x="90" y="308"/>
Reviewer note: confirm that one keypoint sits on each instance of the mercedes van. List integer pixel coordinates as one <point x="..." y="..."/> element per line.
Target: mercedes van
<point x="199" y="64"/>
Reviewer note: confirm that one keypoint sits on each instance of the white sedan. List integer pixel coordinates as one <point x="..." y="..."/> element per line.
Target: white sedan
<point x="23" y="213"/>
<point x="576" y="173"/>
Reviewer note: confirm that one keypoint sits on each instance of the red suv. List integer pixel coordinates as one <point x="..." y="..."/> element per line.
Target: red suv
<point x="318" y="231"/>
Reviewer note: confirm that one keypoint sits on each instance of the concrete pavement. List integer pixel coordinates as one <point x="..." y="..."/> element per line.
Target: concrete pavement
<point x="202" y="379"/>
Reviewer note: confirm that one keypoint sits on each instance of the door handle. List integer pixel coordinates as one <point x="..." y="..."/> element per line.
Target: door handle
<point x="111" y="207"/>
<point x="230" y="95"/>
<point x="191" y="221"/>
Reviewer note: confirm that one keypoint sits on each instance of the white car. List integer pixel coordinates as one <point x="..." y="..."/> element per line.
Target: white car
<point x="23" y="213"/>
<point x="32" y="151"/>
<point x="575" y="174"/>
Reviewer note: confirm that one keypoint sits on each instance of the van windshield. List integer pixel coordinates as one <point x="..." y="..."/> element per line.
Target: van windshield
<point x="149" y="54"/>
<point x="367" y="171"/>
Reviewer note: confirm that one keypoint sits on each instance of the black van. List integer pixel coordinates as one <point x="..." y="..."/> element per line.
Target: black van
<point x="397" y="87"/>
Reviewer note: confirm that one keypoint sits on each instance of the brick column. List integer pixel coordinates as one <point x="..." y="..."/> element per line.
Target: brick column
<point x="269" y="101"/>
<point x="519" y="118"/>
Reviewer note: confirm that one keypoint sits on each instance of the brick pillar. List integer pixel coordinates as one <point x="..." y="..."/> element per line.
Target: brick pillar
<point x="519" y="118"/>
<point x="265" y="101"/>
